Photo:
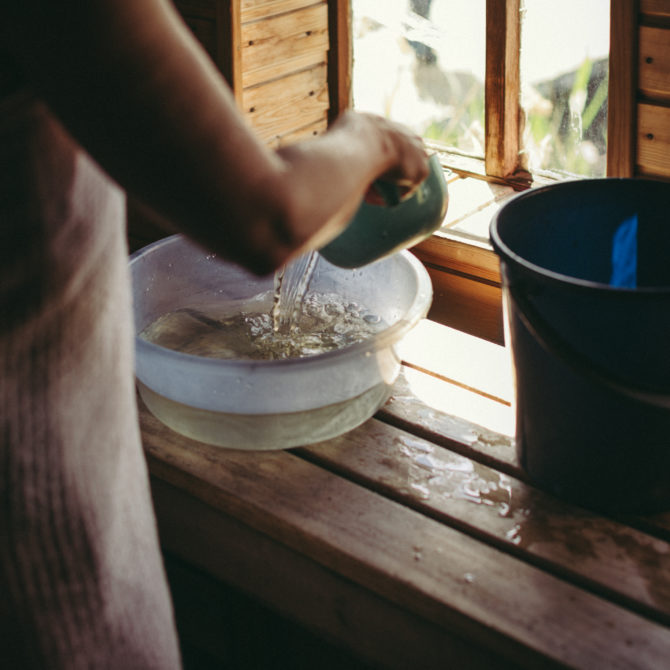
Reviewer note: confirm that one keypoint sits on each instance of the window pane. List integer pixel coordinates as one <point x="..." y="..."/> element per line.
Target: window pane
<point x="422" y="62"/>
<point x="564" y="74"/>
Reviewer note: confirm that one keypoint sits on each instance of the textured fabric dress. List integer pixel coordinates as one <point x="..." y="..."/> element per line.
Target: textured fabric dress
<point x="82" y="583"/>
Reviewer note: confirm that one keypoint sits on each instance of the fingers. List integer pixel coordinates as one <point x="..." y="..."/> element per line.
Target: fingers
<point x="374" y="197"/>
<point x="409" y="156"/>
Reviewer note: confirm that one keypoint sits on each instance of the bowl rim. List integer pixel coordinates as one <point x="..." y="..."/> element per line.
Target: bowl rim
<point x="416" y="311"/>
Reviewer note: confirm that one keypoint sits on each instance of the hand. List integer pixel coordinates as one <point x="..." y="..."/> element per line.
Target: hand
<point x="404" y="149"/>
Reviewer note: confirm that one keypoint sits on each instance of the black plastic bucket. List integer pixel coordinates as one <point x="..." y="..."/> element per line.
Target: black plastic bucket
<point x="591" y="353"/>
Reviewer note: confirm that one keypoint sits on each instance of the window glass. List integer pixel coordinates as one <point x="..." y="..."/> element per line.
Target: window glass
<point x="564" y="75"/>
<point x="422" y="62"/>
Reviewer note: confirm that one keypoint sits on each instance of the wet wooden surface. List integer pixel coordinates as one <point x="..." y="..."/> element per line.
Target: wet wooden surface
<point x="416" y="540"/>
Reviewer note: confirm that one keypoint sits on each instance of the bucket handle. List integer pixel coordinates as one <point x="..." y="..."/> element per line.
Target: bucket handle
<point x="554" y="344"/>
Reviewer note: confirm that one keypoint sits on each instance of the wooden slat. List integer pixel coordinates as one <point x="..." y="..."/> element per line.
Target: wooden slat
<point x="254" y="10"/>
<point x="622" y="89"/>
<point x="469" y="305"/>
<point x="300" y="37"/>
<point x="436" y="572"/>
<point x="307" y="132"/>
<point x="437" y="421"/>
<point x="602" y="555"/>
<point x="502" y="87"/>
<point x="233" y="26"/>
<point x="473" y="267"/>
<point x="473" y="429"/>
<point x="654" y="63"/>
<point x="283" y="68"/>
<point x="340" y="60"/>
<point x="455" y="400"/>
<point x="448" y="252"/>
<point x="298" y="588"/>
<point x="228" y="42"/>
<point x="478" y="224"/>
<point x="655" y="8"/>
<point x="474" y="363"/>
<point x="286" y="104"/>
<point x="653" y="140"/>
<point x="466" y="196"/>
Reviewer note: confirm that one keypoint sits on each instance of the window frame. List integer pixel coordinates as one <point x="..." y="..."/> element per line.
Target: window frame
<point x="466" y="276"/>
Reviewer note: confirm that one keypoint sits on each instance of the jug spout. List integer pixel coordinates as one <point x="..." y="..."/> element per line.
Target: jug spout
<point x="380" y="230"/>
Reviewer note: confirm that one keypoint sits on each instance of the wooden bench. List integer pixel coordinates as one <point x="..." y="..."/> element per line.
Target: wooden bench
<point x="415" y="540"/>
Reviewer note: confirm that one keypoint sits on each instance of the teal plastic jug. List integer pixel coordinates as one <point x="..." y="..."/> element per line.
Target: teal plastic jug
<point x="380" y="230"/>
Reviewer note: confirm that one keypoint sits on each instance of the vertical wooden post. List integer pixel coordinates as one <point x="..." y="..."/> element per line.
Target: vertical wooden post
<point x="622" y="93"/>
<point x="340" y="57"/>
<point x="229" y="48"/>
<point x="502" y="88"/>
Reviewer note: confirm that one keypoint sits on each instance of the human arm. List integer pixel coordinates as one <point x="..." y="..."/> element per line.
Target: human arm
<point x="136" y="90"/>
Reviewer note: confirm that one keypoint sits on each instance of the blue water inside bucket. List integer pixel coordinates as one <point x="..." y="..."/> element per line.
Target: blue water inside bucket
<point x="624" y="254"/>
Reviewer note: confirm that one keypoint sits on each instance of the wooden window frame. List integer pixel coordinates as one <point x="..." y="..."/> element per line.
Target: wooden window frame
<point x="466" y="275"/>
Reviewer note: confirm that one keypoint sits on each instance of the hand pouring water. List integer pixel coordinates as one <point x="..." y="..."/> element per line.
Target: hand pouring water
<point x="377" y="231"/>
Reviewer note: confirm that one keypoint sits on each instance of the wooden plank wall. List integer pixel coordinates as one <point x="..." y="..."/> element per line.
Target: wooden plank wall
<point x="284" y="57"/>
<point x="652" y="156"/>
<point x="274" y="54"/>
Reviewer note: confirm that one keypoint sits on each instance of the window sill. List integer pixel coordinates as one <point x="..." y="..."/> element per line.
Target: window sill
<point x="462" y="265"/>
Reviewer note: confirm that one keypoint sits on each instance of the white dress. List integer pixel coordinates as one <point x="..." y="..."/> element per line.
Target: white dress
<point x="82" y="583"/>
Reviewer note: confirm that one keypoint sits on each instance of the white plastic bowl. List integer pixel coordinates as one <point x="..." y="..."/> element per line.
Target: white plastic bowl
<point x="269" y="404"/>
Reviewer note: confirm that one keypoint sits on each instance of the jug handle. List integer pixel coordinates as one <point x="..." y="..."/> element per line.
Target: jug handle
<point x="557" y="346"/>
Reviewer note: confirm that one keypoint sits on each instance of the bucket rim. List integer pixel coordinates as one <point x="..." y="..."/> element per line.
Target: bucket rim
<point x="507" y="254"/>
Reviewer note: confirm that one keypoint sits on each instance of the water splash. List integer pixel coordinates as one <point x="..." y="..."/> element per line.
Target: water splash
<point x="438" y="473"/>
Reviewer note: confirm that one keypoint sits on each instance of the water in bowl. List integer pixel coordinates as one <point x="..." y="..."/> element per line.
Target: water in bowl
<point x="283" y="323"/>
<point x="246" y="329"/>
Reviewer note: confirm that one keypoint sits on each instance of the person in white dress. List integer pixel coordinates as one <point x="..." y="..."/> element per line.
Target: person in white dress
<point x="99" y="98"/>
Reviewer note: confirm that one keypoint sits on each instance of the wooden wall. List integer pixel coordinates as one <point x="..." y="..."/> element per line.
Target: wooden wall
<point x="639" y="96"/>
<point x="283" y="90"/>
<point x="653" y="109"/>
<point x="274" y="54"/>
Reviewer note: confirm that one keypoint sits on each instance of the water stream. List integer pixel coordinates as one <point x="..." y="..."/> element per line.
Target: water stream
<point x="291" y="284"/>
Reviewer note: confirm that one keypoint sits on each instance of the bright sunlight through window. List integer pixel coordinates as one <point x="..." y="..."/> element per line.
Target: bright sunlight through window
<point x="422" y="62"/>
